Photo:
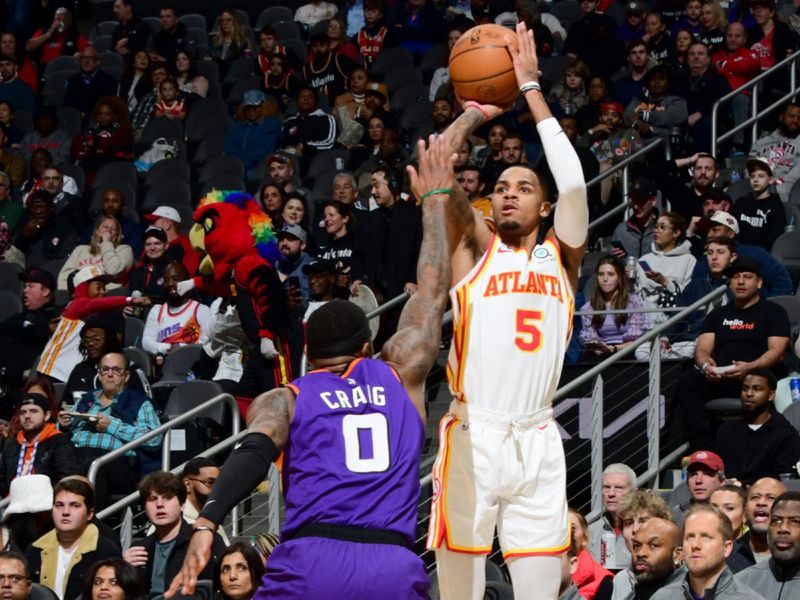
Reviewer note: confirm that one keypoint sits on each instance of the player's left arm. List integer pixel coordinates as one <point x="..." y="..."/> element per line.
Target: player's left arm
<point x="413" y="349"/>
<point x="571" y="221"/>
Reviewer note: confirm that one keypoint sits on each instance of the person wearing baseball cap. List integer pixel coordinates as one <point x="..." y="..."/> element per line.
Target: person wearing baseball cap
<point x="321" y="274"/>
<point x="42" y="236"/>
<point x="294" y="258"/>
<point x="636" y="234"/>
<point x="178" y="245"/>
<point x="62" y="352"/>
<point x="255" y="131"/>
<point x="760" y="213"/>
<point x="39" y="447"/>
<point x="148" y="276"/>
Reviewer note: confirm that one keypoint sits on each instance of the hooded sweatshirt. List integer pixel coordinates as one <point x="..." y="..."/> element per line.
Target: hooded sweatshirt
<point x="676" y="265"/>
<point x="589" y="575"/>
<point x="51" y="454"/>
<point x="783" y="153"/>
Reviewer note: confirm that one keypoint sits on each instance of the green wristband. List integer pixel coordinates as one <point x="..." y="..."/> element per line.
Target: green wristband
<point x="448" y="191"/>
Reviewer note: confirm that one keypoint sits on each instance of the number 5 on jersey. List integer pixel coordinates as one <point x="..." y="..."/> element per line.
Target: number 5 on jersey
<point x="529" y="336"/>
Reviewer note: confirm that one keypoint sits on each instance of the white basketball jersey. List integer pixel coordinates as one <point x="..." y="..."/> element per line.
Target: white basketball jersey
<point x="512" y="319"/>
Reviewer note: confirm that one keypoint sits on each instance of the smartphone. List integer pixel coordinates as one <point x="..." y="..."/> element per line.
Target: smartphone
<point x="618" y="245"/>
<point x="723" y="370"/>
<point x="645" y="266"/>
<point x="78" y="415"/>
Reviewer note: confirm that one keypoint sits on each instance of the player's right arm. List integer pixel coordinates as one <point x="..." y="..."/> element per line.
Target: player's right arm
<point x="268" y="421"/>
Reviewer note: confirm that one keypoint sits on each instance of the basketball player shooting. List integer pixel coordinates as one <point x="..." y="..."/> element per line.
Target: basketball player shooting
<point x="501" y="461"/>
<point x="351" y="432"/>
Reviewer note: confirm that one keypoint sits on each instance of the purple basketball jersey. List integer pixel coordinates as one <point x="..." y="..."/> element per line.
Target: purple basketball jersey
<point x="354" y="450"/>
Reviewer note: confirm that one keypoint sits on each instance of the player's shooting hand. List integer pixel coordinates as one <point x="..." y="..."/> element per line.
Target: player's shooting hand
<point x="197" y="556"/>
<point x="436" y="168"/>
<point x="526" y="62"/>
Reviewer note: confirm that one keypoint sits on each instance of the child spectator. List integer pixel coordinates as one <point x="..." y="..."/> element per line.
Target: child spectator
<point x="760" y="213"/>
<point x="570" y="94"/>
<point x="171" y="105"/>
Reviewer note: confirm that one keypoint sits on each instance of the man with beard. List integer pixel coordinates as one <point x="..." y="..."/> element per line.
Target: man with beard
<point x="39" y="447"/>
<point x="294" y="259"/>
<point x="511" y="152"/>
<point x="747" y="333"/>
<point x="779" y="577"/>
<point x="282" y="173"/>
<point x="760" y="498"/>
<point x="782" y="149"/>
<point x="176" y="323"/>
<point x="199" y="475"/>
<point x="707" y="542"/>
<point x="442" y="115"/>
<point x="761" y="442"/>
<point x="656" y="558"/>
<point x="686" y="200"/>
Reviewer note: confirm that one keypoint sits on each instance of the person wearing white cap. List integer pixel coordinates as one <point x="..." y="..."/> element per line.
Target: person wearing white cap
<point x="61" y="354"/>
<point x="255" y="131"/>
<point x="760" y="213"/>
<point x="178" y="245"/>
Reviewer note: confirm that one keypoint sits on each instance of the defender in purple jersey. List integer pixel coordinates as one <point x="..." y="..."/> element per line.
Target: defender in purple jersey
<point x="351" y="432"/>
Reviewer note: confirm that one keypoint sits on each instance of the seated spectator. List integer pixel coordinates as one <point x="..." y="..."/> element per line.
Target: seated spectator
<point x="760" y="213"/>
<point x="238" y="572"/>
<point x="113" y="578"/>
<point x="341" y="247"/>
<point x="665" y="272"/>
<point x="117" y="415"/>
<point x="339" y="42"/>
<point x="176" y="323"/>
<point x="271" y="196"/>
<point x="598" y="90"/>
<point x="657" y="558"/>
<point x="41" y="160"/>
<point x="731" y="500"/>
<point x="712" y="26"/>
<point x="69" y="206"/>
<point x="754" y="545"/>
<point x="659" y="43"/>
<point x="13" y="133"/>
<point x="512" y="152"/>
<point x="636" y="234"/>
<point x="229" y="43"/>
<point x="108" y="140"/>
<point x="199" y="476"/>
<point x="12" y="164"/>
<point x="351" y="101"/>
<point x="592" y="40"/>
<point x="295" y="212"/>
<point x="311" y="129"/>
<point x="669" y="178"/>
<point x="370" y="143"/>
<point x="747" y="333"/>
<point x="322" y="276"/>
<point x="618" y="482"/>
<point x="326" y="71"/>
<point x="777" y="577"/>
<point x="713" y="200"/>
<point x="591" y="579"/>
<point x="90" y="84"/>
<point x="268" y="46"/>
<point x="113" y="205"/>
<point x="131" y="33"/>
<point x="61" y="558"/>
<point x="605" y="334"/>
<point x="61" y="38"/>
<point x="705" y="473"/>
<point x="38" y="447"/>
<point x="637" y="509"/>
<point x="772" y="39"/>
<point x="10" y="211"/>
<point x="441" y="76"/>
<point x="190" y="82"/>
<point x="25" y="334"/>
<point x="314" y="12"/>
<point x="720" y="252"/>
<point x="14" y="568"/>
<point x="171" y="103"/>
<point x="776" y="280"/>
<point x="707" y="542"/>
<point x="136" y="81"/>
<point x="739" y="65"/>
<point x="690" y="19"/>
<point x="416" y="27"/>
<point x="145" y="108"/>
<point x="171" y="38"/>
<point x="12" y="88"/>
<point x="47" y="134"/>
<point x="104" y="251"/>
<point x="28" y="515"/>
<point x="100" y="335"/>
<point x="285" y="174"/>
<point x="294" y="258"/>
<point x="178" y="245"/>
<point x="61" y="353"/>
<point x="656" y="112"/>
<point x="160" y="557"/>
<point x="254" y="133"/>
<point x="570" y="94"/>
<point x="678" y="64"/>
<point x="148" y="275"/>
<point x="633" y="27"/>
<point x="631" y="84"/>
<point x="375" y="35"/>
<point x="8" y="251"/>
<point x="782" y="149"/>
<point x="280" y="82"/>
<point x="26" y="68"/>
<point x="42" y="236"/>
<point x="567" y="590"/>
<point x="761" y="443"/>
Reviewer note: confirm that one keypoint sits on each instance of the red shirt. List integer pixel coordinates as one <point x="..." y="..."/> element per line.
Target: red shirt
<point x="738" y="67"/>
<point x="54" y="47"/>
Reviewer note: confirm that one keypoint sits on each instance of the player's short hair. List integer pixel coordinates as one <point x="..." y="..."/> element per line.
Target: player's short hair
<point x="337" y="328"/>
<point x="772" y="381"/>
<point x="643" y="501"/>
<point x="543" y="180"/>
<point x="725" y="528"/>
<point x="164" y="483"/>
<point x="621" y="469"/>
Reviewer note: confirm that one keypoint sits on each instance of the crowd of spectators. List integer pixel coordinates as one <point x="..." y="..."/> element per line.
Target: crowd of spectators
<point x="315" y="111"/>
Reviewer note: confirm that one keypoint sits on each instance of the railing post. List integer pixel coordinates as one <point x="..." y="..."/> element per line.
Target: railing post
<point x="626" y="183"/>
<point x="274" y="502"/>
<point x="754" y="112"/>
<point x="654" y="410"/>
<point x="597" y="445"/>
<point x="165" y="448"/>
<point x="714" y="111"/>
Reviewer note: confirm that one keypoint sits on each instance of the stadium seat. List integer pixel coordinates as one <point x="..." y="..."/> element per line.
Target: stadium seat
<point x="177" y="365"/>
<point x="737" y="189"/>
<point x="407" y="95"/>
<point x="171" y="192"/>
<point x="9" y="278"/>
<point x="134" y="328"/>
<point x="23" y="120"/>
<point x="70" y="120"/>
<point x="222" y="165"/>
<point x="102" y="43"/>
<point x="53" y="266"/>
<point x="791" y="305"/>
<point x="388" y="59"/>
<point x="401" y="76"/>
<point x="432" y="60"/>
<point x="10" y="304"/>
<point x="567" y="12"/>
<point x="197" y="37"/>
<point x="552" y="67"/>
<point x="204" y="108"/>
<point x="119" y="171"/>
<point x="154" y="22"/>
<point x="191" y="393"/>
<point x="59" y="387"/>
<point x="273" y="14"/>
<point x="166" y="169"/>
<point x="786" y="251"/>
<point x="494" y="572"/>
<point x="111" y="59"/>
<point x="496" y="590"/>
<point x="40" y="592"/>
<point x="194" y="21"/>
<point x="62" y="64"/>
<point x="286" y="30"/>
<point x="127" y="190"/>
<point x="243" y="17"/>
<point x="244" y="66"/>
<point x="209" y="148"/>
<point x="222" y="182"/>
<point x="724" y="408"/>
<point x="159" y="127"/>
<point x="204" y="590"/>
<point x="212" y="125"/>
<point x="298" y="48"/>
<point x="245" y="84"/>
<point x="417" y="115"/>
<point x="326" y="161"/>
<point x="54" y="88"/>
<point x="102" y="29"/>
<point x="141" y="358"/>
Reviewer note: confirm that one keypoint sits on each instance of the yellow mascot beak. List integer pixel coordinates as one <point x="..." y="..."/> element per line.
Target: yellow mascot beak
<point x="197" y="237"/>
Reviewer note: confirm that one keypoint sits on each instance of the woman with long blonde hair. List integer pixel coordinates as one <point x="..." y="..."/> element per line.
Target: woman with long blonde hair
<point x="104" y="251"/>
<point x="230" y="42"/>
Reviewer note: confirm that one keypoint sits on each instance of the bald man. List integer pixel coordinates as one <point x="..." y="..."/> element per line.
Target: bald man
<point x="656" y="557"/>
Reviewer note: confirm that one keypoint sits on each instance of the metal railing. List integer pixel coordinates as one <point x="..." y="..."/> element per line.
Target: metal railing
<point x="755" y="114"/>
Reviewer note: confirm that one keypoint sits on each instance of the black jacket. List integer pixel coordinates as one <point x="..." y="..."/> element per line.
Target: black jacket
<point x="56" y="239"/>
<point x="55" y="457"/>
<point x="176" y="556"/>
<point x="24" y="336"/>
<point x="741" y="556"/>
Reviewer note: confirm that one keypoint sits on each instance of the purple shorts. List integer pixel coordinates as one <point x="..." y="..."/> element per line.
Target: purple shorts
<point x="324" y="568"/>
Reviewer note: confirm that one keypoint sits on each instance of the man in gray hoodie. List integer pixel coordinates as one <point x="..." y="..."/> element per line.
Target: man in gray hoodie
<point x="656" y="558"/>
<point x="779" y="577"/>
<point x="782" y="149"/>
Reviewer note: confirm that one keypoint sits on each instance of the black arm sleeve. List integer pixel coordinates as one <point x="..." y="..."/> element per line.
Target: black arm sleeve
<point x="246" y="467"/>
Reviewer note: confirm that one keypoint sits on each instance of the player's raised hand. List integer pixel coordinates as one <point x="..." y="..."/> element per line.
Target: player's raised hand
<point x="523" y="54"/>
<point x="197" y="556"/>
<point x="436" y="169"/>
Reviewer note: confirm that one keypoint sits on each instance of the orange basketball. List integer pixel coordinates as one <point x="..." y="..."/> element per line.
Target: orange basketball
<point x="481" y="68"/>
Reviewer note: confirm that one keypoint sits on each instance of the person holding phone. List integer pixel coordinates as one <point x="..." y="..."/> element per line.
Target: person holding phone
<point x="635" y="236"/>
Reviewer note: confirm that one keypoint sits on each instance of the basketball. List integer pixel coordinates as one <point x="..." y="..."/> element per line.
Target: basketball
<point x="481" y="68"/>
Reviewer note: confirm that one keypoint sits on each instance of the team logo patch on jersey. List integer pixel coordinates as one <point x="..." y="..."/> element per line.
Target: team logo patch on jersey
<point x="542" y="253"/>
